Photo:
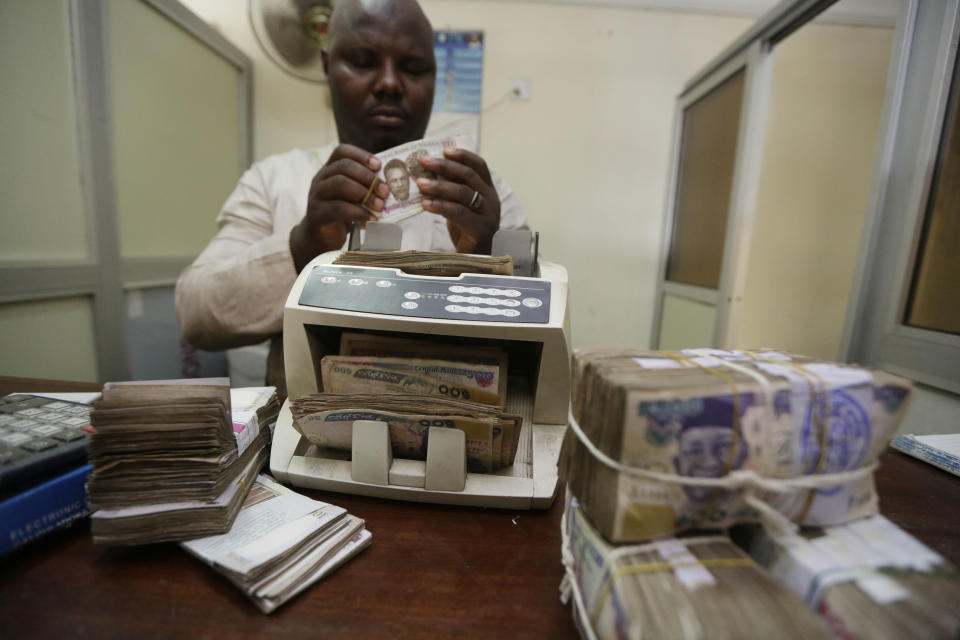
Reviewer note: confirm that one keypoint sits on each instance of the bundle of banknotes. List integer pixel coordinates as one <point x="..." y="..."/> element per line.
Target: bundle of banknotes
<point x="705" y="413"/>
<point x="400" y="167"/>
<point x="429" y="263"/>
<point x="413" y="385"/>
<point x="172" y="460"/>
<point x="691" y="588"/>
<point x="281" y="543"/>
<point x="867" y="579"/>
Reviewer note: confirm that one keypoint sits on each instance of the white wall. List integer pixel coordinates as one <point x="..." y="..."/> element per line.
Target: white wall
<point x="587" y="154"/>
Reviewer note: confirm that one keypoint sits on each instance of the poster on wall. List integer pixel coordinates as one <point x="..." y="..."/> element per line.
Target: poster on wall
<point x="457" y="99"/>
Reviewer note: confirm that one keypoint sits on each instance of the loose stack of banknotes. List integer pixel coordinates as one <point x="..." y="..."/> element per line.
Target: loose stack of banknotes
<point x="413" y="385"/>
<point x="429" y="263"/>
<point x="637" y="562"/>
<point x="173" y="459"/>
<point x="281" y="543"/>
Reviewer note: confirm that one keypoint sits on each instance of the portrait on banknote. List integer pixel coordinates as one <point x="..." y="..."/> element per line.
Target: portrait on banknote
<point x="416" y="168"/>
<point x="397" y="177"/>
<point x="401" y="167"/>
<point x="708" y="446"/>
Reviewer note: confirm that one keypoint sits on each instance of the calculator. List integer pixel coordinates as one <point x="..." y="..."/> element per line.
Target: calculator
<point x="40" y="436"/>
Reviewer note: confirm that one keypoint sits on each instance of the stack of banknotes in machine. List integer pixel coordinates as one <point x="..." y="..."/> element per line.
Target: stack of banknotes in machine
<point x="170" y="460"/>
<point x="867" y="579"/>
<point x="664" y="445"/>
<point x="429" y="263"/>
<point x="281" y="543"/>
<point x="413" y="385"/>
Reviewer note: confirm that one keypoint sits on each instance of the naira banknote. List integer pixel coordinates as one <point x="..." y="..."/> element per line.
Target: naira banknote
<point x="408" y="433"/>
<point x="335" y="430"/>
<point x="367" y="345"/>
<point x="443" y="378"/>
<point x="400" y="168"/>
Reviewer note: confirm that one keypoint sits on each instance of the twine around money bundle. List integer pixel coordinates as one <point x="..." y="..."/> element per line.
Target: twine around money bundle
<point x="716" y="589"/>
<point x="745" y="481"/>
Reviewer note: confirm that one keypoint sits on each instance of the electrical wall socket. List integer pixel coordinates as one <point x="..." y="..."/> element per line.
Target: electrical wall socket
<point x="520" y="89"/>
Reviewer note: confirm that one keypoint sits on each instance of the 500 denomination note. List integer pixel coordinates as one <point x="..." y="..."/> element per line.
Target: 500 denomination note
<point x="400" y="168"/>
<point x="441" y="378"/>
<point x="408" y="433"/>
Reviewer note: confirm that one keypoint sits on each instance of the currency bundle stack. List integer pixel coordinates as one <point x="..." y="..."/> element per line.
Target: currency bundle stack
<point x="429" y="263"/>
<point x="281" y="543"/>
<point x="691" y="588"/>
<point x="867" y="579"/>
<point x="170" y="461"/>
<point x="720" y="418"/>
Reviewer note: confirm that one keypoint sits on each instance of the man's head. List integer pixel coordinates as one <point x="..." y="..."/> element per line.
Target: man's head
<point x="381" y="70"/>
<point x="705" y="446"/>
<point x="398" y="179"/>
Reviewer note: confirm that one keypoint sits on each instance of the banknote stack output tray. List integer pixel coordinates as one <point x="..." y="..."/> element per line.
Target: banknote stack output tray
<point x="328" y="300"/>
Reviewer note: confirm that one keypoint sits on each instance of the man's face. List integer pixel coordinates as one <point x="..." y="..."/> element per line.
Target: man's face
<point x="703" y="453"/>
<point x="399" y="183"/>
<point x="381" y="71"/>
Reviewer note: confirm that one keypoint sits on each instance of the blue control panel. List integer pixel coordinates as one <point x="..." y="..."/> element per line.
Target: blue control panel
<point x="392" y="292"/>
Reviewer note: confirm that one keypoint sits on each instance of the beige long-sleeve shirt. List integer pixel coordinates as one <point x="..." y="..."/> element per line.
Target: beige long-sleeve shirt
<point x="234" y="292"/>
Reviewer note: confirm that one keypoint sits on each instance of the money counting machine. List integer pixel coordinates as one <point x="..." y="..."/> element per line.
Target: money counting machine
<point x="524" y="314"/>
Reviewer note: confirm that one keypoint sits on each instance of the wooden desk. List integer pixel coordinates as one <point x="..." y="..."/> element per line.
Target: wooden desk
<point x="432" y="571"/>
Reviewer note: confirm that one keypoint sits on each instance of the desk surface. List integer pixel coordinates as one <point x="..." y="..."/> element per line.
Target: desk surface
<point x="432" y="571"/>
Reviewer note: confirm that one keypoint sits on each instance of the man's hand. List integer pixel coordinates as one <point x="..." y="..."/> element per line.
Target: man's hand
<point x="460" y="175"/>
<point x="335" y="201"/>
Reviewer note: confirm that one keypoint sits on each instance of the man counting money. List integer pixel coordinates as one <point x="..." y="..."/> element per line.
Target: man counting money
<point x="291" y="207"/>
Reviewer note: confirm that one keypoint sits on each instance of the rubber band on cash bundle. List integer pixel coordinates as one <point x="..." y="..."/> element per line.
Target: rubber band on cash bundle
<point x="709" y="438"/>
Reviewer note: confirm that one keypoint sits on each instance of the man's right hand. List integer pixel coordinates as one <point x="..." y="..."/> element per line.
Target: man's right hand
<point x="336" y="194"/>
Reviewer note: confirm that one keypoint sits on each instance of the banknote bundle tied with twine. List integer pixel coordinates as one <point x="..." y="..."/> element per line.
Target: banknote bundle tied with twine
<point x="868" y="579"/>
<point x="695" y="588"/>
<point x="663" y="442"/>
<point x="665" y="445"/>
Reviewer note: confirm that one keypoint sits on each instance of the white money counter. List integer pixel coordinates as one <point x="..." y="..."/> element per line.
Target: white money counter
<point x="527" y="316"/>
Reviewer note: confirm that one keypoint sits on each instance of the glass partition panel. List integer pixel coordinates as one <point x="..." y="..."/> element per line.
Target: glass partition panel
<point x="42" y="200"/>
<point x="935" y="294"/>
<point x="177" y="117"/>
<point x="51" y="339"/>
<point x="826" y="99"/>
<point x="708" y="151"/>
<point x="686" y="324"/>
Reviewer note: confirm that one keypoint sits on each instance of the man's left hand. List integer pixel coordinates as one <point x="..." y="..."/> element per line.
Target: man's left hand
<point x="462" y="178"/>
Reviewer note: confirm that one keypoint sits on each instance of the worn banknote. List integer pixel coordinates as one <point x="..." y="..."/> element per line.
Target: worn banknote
<point x="326" y="419"/>
<point x="408" y="433"/>
<point x="443" y="378"/>
<point x="367" y="345"/>
<point x="400" y="168"/>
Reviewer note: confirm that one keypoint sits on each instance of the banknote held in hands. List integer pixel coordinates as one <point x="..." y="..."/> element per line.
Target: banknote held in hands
<point x="400" y="168"/>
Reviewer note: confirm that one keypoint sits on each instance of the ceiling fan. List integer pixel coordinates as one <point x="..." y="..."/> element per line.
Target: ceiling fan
<point x="292" y="33"/>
